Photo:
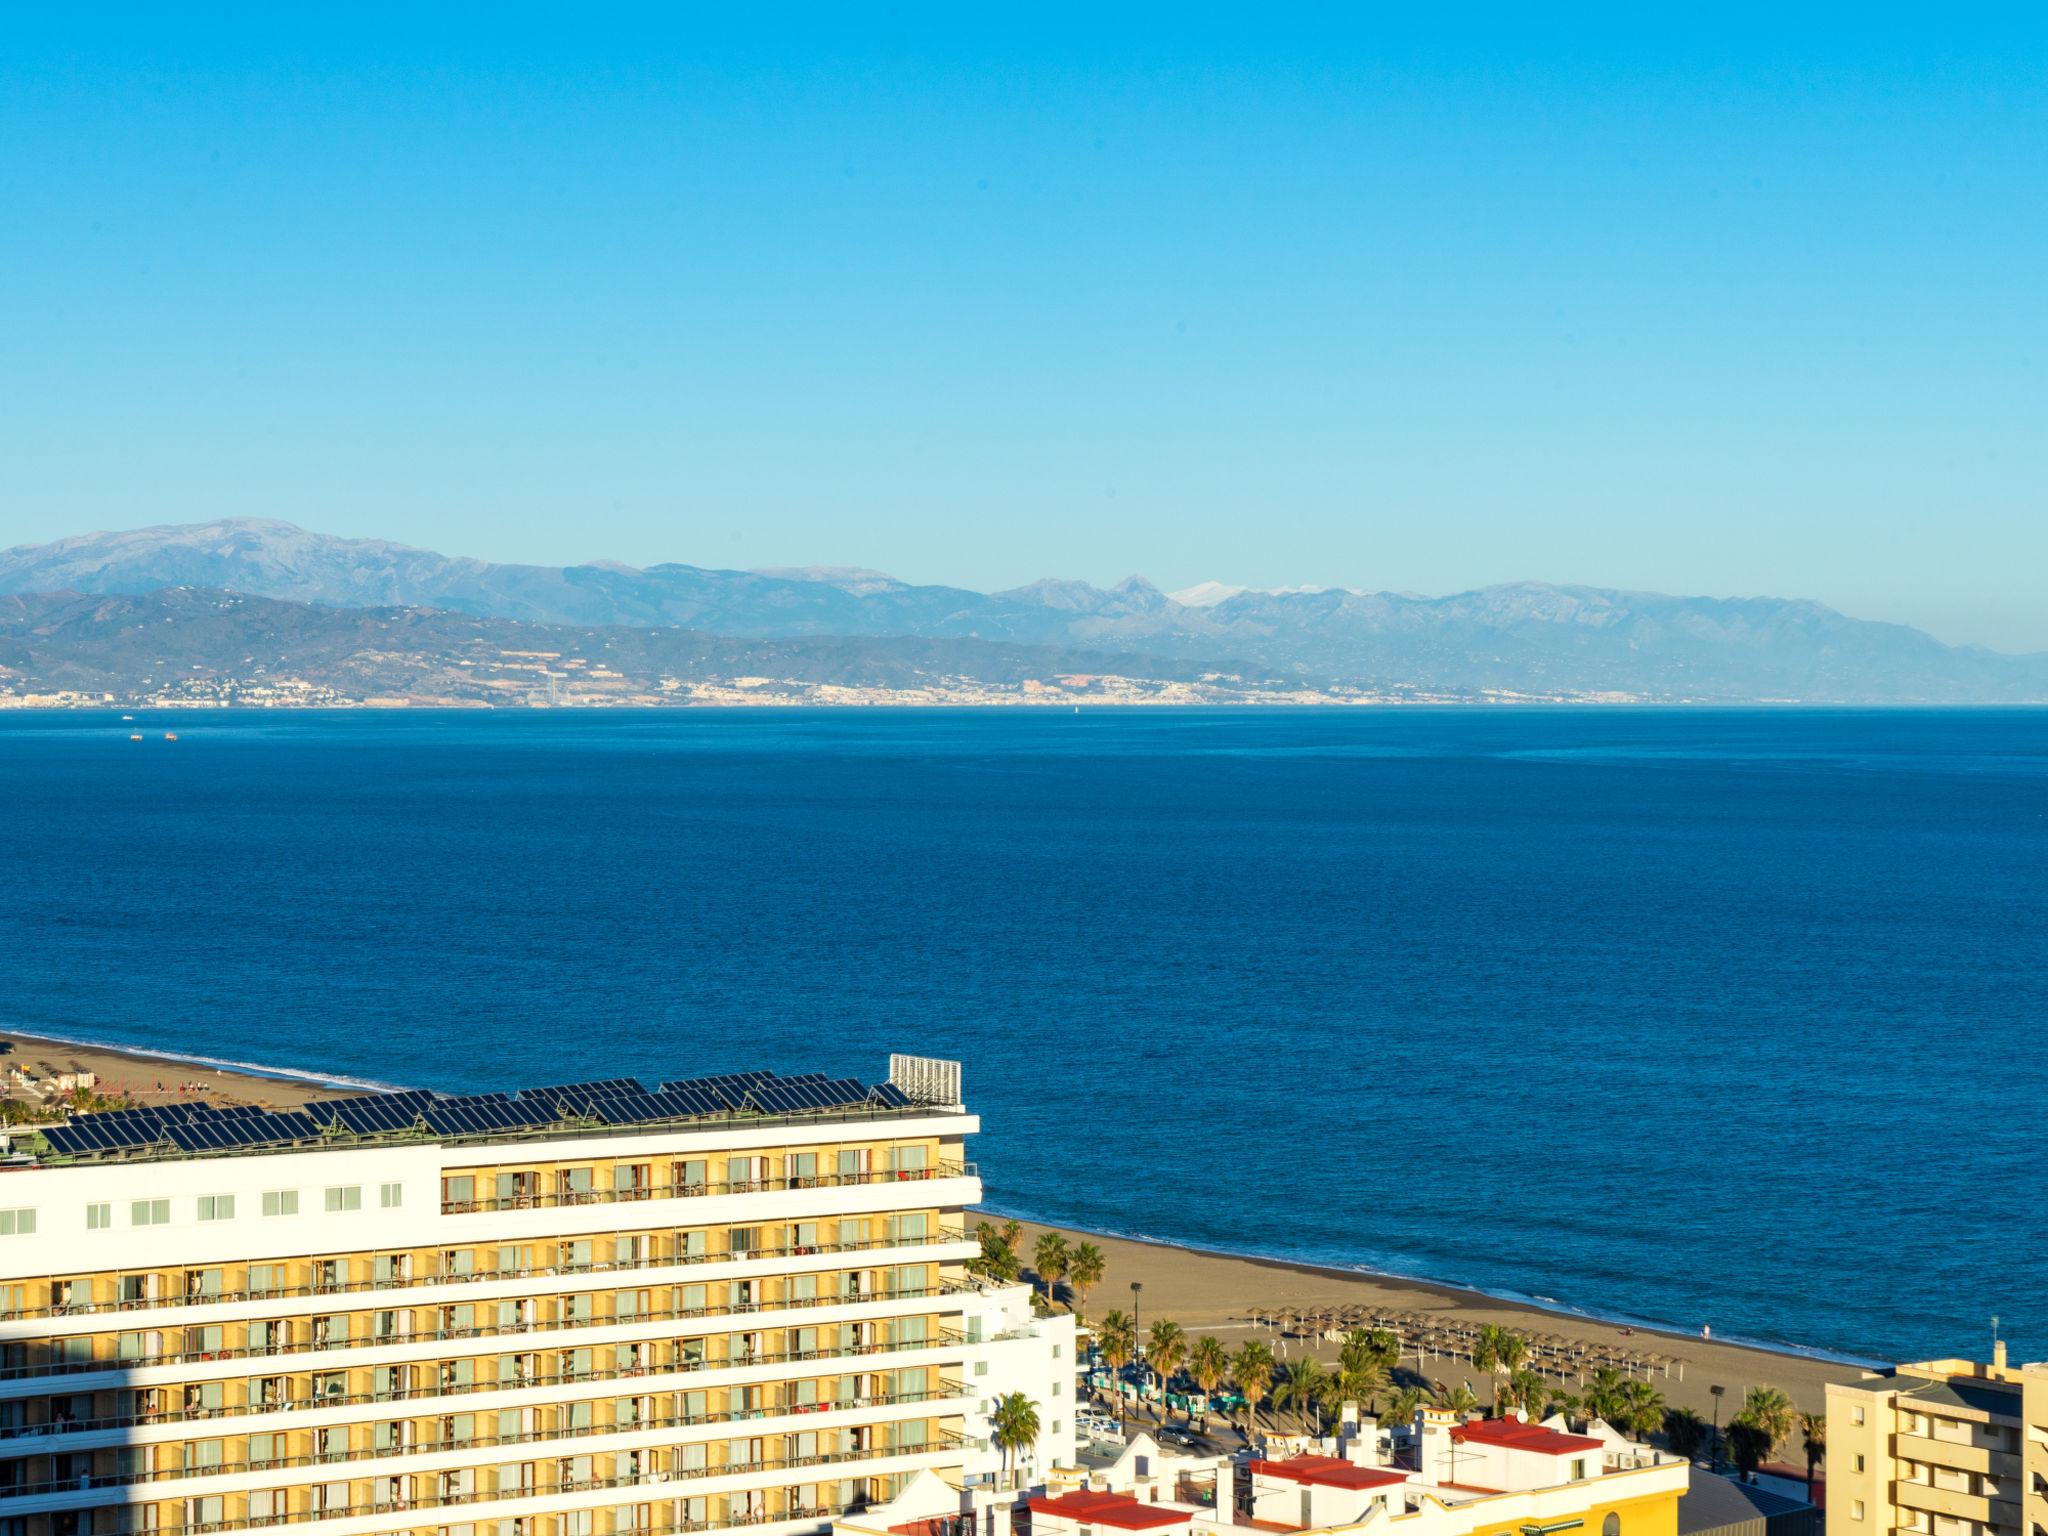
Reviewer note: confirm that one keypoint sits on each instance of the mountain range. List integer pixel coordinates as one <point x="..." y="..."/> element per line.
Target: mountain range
<point x="1525" y="638"/>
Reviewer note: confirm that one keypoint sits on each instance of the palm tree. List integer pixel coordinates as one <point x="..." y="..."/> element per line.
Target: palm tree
<point x="1208" y="1364"/>
<point x="1813" y="1430"/>
<point x="997" y="1261"/>
<point x="1498" y="1349"/>
<point x="1386" y="1347"/>
<point x="1642" y="1409"/>
<point x="1771" y="1411"/>
<point x="1013" y="1236"/>
<point x="1402" y="1405"/>
<point x="1117" y="1338"/>
<point x="1460" y="1399"/>
<point x="1252" y="1369"/>
<point x="1557" y="1400"/>
<point x="1014" y="1426"/>
<point x="1049" y="1257"/>
<point x="1748" y="1444"/>
<point x="1084" y="1273"/>
<point x="1685" y="1432"/>
<point x="1361" y="1366"/>
<point x="1302" y="1387"/>
<point x="1526" y="1390"/>
<point x="1605" y="1395"/>
<point x="1164" y="1351"/>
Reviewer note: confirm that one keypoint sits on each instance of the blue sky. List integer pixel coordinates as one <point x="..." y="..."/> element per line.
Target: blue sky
<point x="1727" y="301"/>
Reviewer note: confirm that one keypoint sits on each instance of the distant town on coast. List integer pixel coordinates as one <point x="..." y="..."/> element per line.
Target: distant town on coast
<point x="251" y="613"/>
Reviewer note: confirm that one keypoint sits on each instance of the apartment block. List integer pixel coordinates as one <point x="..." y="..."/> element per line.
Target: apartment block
<point x="1940" y="1448"/>
<point x="570" y="1311"/>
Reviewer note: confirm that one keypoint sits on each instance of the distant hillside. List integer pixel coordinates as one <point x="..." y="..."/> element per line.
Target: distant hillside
<point x="1527" y="638"/>
<point x="188" y="644"/>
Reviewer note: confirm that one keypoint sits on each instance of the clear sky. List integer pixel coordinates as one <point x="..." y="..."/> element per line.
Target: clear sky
<point x="1722" y="301"/>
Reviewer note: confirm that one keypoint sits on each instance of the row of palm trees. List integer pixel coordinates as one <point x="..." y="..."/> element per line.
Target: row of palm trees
<point x="1312" y="1391"/>
<point x="1053" y="1260"/>
<point x="1366" y="1360"/>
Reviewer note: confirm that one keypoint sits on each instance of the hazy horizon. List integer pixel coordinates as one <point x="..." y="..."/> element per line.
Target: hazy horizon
<point x="1739" y="304"/>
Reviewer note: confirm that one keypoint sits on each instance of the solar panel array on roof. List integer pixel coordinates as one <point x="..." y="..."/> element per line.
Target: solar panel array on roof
<point x="617" y="1101"/>
<point x="476" y="1116"/>
<point x="218" y="1132"/>
<point x="604" y="1085"/>
<point x="728" y="1090"/>
<point x="366" y="1117"/>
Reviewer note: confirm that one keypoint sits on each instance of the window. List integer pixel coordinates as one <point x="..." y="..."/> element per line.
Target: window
<point x="1856" y="1415"/>
<point x="280" y="1202"/>
<point x="345" y="1197"/>
<point x="1856" y="1510"/>
<point x="149" y="1213"/>
<point x="389" y="1195"/>
<point x="216" y="1207"/>
<point x="1578" y="1469"/>
<point x="20" y="1222"/>
<point x="1611" y="1526"/>
<point x="99" y="1217"/>
<point x="1859" y="1461"/>
<point x="981" y="1367"/>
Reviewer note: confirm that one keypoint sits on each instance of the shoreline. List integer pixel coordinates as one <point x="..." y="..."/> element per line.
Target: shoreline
<point x="1468" y="1294"/>
<point x="1208" y="1291"/>
<point x="118" y="1066"/>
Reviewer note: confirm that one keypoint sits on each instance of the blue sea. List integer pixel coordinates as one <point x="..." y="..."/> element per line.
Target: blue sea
<point x="1722" y="1017"/>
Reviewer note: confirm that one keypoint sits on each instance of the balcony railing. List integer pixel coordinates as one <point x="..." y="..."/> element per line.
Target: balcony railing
<point x="356" y="1458"/>
<point x="474" y="1331"/>
<point x="652" y="1374"/>
<point x="560" y="1199"/>
<point x="410" y="1282"/>
<point x="556" y="1487"/>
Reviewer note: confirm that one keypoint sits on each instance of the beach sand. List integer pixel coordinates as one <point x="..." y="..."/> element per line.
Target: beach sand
<point x="1212" y="1293"/>
<point x="139" y="1076"/>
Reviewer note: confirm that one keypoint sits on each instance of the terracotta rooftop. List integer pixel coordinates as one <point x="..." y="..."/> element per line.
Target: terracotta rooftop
<point x="1087" y="1507"/>
<point x="1330" y="1472"/>
<point x="1516" y="1435"/>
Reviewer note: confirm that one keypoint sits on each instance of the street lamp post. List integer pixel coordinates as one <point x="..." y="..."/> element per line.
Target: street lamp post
<point x="1714" y="1444"/>
<point x="1137" y="1336"/>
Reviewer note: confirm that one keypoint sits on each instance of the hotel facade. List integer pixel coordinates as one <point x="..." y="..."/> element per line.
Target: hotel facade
<point x="732" y="1302"/>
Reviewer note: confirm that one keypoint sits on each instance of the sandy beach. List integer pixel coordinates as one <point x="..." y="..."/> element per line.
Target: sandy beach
<point x="1213" y="1293"/>
<point x="155" y="1079"/>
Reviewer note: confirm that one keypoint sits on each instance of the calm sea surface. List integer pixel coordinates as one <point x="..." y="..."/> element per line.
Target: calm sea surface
<point x="1725" y="1017"/>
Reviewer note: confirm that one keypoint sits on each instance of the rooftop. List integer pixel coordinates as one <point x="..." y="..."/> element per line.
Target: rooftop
<point x="1518" y="1435"/>
<point x="1087" y="1507"/>
<point x="1330" y="1472"/>
<point x="201" y="1130"/>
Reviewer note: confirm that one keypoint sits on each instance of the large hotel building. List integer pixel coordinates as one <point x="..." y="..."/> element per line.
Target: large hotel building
<point x="726" y="1302"/>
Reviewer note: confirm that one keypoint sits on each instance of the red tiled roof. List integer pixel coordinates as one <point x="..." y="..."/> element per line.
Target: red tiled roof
<point x="1330" y="1472"/>
<point x="1085" y="1507"/>
<point x="1516" y="1435"/>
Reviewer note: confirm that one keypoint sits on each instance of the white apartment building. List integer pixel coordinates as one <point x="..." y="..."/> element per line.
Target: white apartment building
<point x="726" y="1302"/>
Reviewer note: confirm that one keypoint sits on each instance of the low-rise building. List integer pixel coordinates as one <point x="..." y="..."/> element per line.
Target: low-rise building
<point x="1547" y="1481"/>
